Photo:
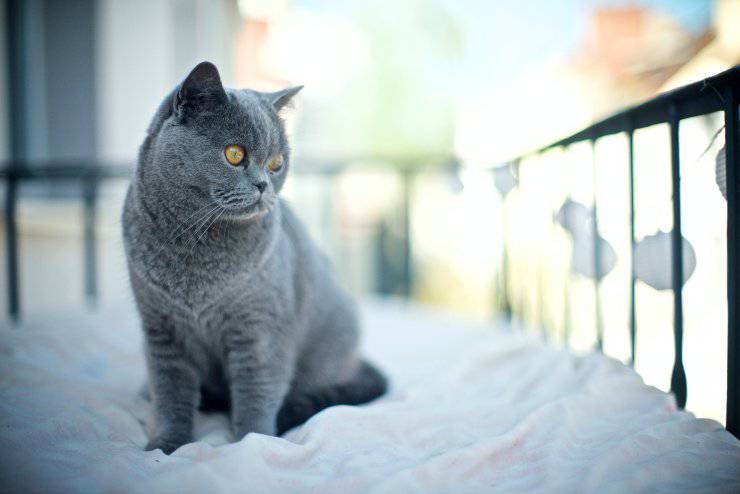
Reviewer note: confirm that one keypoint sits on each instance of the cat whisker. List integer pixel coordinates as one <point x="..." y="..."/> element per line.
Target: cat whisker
<point x="215" y="218"/>
<point x="209" y="220"/>
<point x="205" y="231"/>
<point x="205" y="206"/>
<point x="214" y="208"/>
<point x="196" y="231"/>
<point x="184" y="228"/>
<point x="195" y="225"/>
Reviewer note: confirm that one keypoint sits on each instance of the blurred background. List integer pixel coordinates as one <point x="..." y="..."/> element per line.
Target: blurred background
<point x="405" y="139"/>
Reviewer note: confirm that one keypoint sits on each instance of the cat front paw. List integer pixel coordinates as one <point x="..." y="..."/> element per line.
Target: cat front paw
<point x="167" y="445"/>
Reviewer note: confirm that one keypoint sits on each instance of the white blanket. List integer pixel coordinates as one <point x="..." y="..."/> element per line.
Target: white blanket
<point x="471" y="409"/>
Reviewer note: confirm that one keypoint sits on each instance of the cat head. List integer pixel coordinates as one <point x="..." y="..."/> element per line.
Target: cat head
<point x="208" y="145"/>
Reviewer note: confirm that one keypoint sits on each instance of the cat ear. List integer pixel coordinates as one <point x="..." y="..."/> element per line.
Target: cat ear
<point x="201" y="89"/>
<point x="279" y="99"/>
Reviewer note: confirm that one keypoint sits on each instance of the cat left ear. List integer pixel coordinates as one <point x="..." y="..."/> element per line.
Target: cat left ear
<point x="201" y="89"/>
<point x="279" y="99"/>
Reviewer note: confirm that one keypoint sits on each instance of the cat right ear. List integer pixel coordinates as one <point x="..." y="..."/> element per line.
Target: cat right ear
<point x="200" y="91"/>
<point x="281" y="99"/>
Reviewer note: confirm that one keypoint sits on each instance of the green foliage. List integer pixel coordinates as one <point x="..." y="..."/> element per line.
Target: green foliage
<point x="402" y="103"/>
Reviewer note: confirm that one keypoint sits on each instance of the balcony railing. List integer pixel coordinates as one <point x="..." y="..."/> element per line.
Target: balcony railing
<point x="715" y="94"/>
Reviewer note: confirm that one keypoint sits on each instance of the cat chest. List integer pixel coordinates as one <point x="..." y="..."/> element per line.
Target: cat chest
<point x="243" y="324"/>
<point x="196" y="285"/>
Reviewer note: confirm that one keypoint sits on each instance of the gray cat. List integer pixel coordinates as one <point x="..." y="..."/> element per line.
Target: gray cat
<point x="238" y="306"/>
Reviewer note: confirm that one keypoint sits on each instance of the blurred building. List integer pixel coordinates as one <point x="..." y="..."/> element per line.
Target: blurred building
<point x="629" y="54"/>
<point x="721" y="51"/>
<point x="86" y="75"/>
<point x="83" y="78"/>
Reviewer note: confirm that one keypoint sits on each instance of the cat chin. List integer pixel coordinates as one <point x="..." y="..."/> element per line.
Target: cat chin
<point x="248" y="213"/>
<point x="253" y="215"/>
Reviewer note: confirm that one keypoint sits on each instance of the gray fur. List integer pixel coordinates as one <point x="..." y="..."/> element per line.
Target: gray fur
<point x="235" y="300"/>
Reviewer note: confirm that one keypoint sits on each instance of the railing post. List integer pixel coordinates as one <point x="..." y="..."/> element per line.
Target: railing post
<point x="11" y="246"/>
<point x="505" y="303"/>
<point x="540" y="300"/>
<point x="678" y="377"/>
<point x="633" y="277"/>
<point x="733" y="259"/>
<point x="406" y="264"/>
<point x="597" y="256"/>
<point x="16" y="40"/>
<point x="566" y="288"/>
<point x="90" y="238"/>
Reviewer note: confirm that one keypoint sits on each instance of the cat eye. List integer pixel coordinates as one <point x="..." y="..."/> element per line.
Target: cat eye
<point x="276" y="163"/>
<point x="234" y="154"/>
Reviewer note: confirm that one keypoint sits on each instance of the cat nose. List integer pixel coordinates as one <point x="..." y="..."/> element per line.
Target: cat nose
<point x="261" y="186"/>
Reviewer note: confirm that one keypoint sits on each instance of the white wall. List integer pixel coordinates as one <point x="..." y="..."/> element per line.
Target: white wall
<point x="144" y="48"/>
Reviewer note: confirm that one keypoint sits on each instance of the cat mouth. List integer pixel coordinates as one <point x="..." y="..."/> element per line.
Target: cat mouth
<point x="244" y="210"/>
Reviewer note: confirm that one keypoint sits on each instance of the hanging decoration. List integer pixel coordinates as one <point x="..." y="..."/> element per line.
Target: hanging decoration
<point x="653" y="260"/>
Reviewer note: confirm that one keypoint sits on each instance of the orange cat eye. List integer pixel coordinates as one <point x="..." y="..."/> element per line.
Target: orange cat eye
<point x="276" y="163"/>
<point x="234" y="154"/>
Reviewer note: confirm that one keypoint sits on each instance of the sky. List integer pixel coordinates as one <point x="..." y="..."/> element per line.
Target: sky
<point x="419" y="65"/>
<point x="503" y="37"/>
<point x="515" y="34"/>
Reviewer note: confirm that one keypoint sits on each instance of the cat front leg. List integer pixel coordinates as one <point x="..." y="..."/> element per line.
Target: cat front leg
<point x="259" y="381"/>
<point x="174" y="389"/>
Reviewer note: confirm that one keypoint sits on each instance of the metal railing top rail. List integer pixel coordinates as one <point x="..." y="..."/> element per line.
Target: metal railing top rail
<point x="61" y="170"/>
<point x="99" y="169"/>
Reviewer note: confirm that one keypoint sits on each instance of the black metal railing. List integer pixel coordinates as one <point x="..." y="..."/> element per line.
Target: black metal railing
<point x="89" y="175"/>
<point x="714" y="94"/>
<point x="395" y="269"/>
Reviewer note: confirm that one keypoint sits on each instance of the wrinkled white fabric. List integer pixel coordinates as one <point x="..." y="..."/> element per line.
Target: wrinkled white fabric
<point x="471" y="409"/>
